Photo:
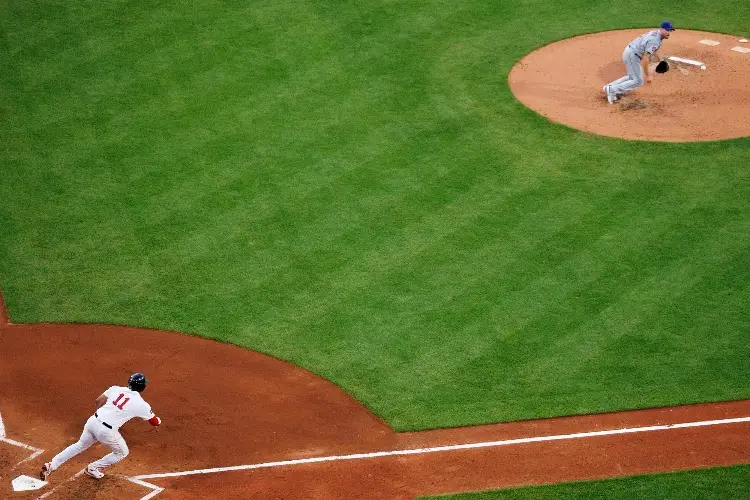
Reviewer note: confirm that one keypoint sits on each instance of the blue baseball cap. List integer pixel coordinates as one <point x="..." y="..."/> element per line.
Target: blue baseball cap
<point x="667" y="26"/>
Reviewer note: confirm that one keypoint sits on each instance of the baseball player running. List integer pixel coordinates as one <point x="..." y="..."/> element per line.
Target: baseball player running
<point x="636" y="62"/>
<point x="114" y="408"/>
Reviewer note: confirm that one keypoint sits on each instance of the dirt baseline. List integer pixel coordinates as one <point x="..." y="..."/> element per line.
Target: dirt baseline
<point x="563" y="81"/>
<point x="224" y="406"/>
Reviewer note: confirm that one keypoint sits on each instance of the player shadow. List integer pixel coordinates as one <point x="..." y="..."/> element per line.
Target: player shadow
<point x="533" y="94"/>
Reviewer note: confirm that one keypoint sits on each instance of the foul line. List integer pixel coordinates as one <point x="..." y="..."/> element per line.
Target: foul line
<point x="437" y="449"/>
<point x="70" y="479"/>
<point x="156" y="489"/>
<point x="35" y="451"/>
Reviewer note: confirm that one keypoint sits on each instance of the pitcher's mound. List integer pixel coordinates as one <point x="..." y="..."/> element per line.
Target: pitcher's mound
<point x="563" y="81"/>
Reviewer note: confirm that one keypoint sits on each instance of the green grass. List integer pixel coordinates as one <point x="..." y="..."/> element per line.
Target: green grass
<point x="721" y="483"/>
<point x="352" y="187"/>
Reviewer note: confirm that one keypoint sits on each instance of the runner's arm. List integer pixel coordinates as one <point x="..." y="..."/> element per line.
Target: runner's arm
<point x="149" y="417"/>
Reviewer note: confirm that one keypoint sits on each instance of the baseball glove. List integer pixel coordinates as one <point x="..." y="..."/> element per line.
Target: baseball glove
<point x="662" y="67"/>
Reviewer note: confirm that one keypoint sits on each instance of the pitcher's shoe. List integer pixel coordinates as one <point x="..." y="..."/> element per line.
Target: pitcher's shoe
<point x="611" y="96"/>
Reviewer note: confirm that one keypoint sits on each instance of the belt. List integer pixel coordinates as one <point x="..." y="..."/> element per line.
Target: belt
<point x="636" y="55"/>
<point x="105" y="424"/>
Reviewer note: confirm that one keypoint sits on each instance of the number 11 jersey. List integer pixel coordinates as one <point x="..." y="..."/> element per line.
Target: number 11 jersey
<point x="122" y="405"/>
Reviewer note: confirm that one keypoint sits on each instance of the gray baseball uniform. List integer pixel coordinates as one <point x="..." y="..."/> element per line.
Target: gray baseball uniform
<point x="648" y="43"/>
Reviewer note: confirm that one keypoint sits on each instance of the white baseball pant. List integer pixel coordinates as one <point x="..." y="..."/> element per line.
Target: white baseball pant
<point x="634" y="78"/>
<point x="94" y="431"/>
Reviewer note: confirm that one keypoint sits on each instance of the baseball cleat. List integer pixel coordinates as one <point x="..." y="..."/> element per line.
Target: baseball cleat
<point x="46" y="471"/>
<point x="611" y="97"/>
<point x="93" y="473"/>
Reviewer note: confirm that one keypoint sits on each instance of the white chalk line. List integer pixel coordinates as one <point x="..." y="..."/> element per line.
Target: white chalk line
<point x="19" y="444"/>
<point x="152" y="494"/>
<point x="139" y="480"/>
<point x="39" y="451"/>
<point x="456" y="447"/>
<point x="29" y="458"/>
<point x="156" y="489"/>
<point x="35" y="451"/>
<point x="70" y="479"/>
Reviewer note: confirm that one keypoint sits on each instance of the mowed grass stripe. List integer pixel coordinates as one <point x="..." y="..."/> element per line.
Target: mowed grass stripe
<point x="536" y="328"/>
<point x="551" y="320"/>
<point x="353" y="188"/>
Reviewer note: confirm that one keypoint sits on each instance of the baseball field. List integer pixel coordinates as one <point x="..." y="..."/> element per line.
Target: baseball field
<point x="350" y="186"/>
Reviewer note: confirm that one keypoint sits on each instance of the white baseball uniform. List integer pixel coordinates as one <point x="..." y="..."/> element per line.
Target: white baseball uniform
<point x="645" y="45"/>
<point x="104" y="426"/>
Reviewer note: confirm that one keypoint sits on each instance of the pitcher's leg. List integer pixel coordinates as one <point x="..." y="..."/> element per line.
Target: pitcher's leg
<point x="627" y="86"/>
<point x="620" y="80"/>
<point x="84" y="442"/>
<point x="119" y="448"/>
<point x="635" y="75"/>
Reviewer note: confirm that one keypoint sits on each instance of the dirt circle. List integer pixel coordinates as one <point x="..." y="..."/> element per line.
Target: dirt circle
<point x="563" y="82"/>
